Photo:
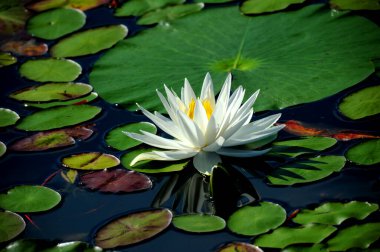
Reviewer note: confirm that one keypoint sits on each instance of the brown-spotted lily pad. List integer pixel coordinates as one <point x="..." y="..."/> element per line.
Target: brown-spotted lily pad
<point x="25" y="47"/>
<point x="116" y="181"/>
<point x="90" y="161"/>
<point x="239" y="247"/>
<point x="133" y="228"/>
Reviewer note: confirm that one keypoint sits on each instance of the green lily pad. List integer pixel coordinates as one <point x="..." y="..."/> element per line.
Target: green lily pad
<point x="90" y="161"/>
<point x="133" y="228"/>
<point x="239" y="247"/>
<point x="213" y="1"/>
<point x="335" y="213"/>
<point x="199" y="223"/>
<point x="51" y="92"/>
<point x="11" y="225"/>
<point x="349" y="41"/>
<point x="29" y="245"/>
<point x="362" y="103"/>
<point x="55" y="70"/>
<point x="29" y="199"/>
<point x="83" y="5"/>
<point x="305" y="171"/>
<point x="82" y="100"/>
<point x="365" y="153"/>
<point x="89" y="42"/>
<point x="8" y="117"/>
<point x="3" y="149"/>
<point x="56" y="23"/>
<point x="254" y="220"/>
<point x="70" y="176"/>
<point x="140" y="7"/>
<point x="355" y="4"/>
<point x="359" y="236"/>
<point x="262" y="6"/>
<point x="12" y="16"/>
<point x="7" y="59"/>
<point x="300" y="248"/>
<point x="169" y="13"/>
<point x="58" y="117"/>
<point x="285" y="236"/>
<point x="117" y="139"/>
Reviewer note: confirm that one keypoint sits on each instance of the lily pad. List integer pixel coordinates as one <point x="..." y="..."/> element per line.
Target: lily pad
<point x="83" y="5"/>
<point x="239" y="247"/>
<point x="365" y="153"/>
<point x="355" y="4"/>
<point x="254" y="220"/>
<point x="89" y="41"/>
<point x="29" y="199"/>
<point x="11" y="225"/>
<point x="140" y="7"/>
<point x="7" y="59"/>
<point x="82" y="100"/>
<point x="56" y="23"/>
<point x="3" y="149"/>
<point x="133" y="228"/>
<point x="285" y="236"/>
<point x="29" y="245"/>
<point x="349" y="41"/>
<point x="58" y="117"/>
<point x="8" y="117"/>
<point x="305" y="171"/>
<point x="199" y="223"/>
<point x="359" y="236"/>
<point x="262" y="6"/>
<point x="70" y="176"/>
<point x="117" y="139"/>
<point x="361" y="104"/>
<point x="300" y="248"/>
<point x="213" y="1"/>
<point x="116" y="181"/>
<point x="12" y="17"/>
<point x="90" y="161"/>
<point x="335" y="213"/>
<point x="25" y="47"/>
<point x="55" y="70"/>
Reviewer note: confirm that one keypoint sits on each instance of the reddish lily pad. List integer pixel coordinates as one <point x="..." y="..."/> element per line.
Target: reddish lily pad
<point x="76" y="4"/>
<point x="11" y="225"/>
<point x="90" y="161"/>
<point x="25" y="47"/>
<point x="239" y="247"/>
<point x="116" y="181"/>
<point x="133" y="228"/>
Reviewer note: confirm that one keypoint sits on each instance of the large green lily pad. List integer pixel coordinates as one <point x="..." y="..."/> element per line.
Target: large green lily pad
<point x="8" y="117"/>
<point x="82" y="100"/>
<point x="261" y="6"/>
<point x="355" y="4"/>
<point x="29" y="245"/>
<point x="140" y="7"/>
<point x="317" y="55"/>
<point x="365" y="153"/>
<point x="199" y="223"/>
<point x="11" y="225"/>
<point x="90" y="161"/>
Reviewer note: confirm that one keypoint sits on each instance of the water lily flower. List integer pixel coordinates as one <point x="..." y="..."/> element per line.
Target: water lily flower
<point x="204" y="128"/>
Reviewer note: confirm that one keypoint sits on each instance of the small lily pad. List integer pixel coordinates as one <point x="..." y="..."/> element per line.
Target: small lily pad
<point x="239" y="247"/>
<point x="365" y="153"/>
<point x="254" y="220"/>
<point x="70" y="176"/>
<point x="117" y="139"/>
<point x="29" y="199"/>
<point x="89" y="42"/>
<point x="55" y="70"/>
<point x="7" y="59"/>
<point x="29" y="245"/>
<point x="3" y="149"/>
<point x="199" y="223"/>
<point x="83" y="5"/>
<point x="82" y="100"/>
<point x="133" y="228"/>
<point x="58" y="117"/>
<point x="355" y="4"/>
<point x="11" y="225"/>
<point x="140" y="7"/>
<point x="262" y="6"/>
<point x="90" y="161"/>
<point x="8" y="117"/>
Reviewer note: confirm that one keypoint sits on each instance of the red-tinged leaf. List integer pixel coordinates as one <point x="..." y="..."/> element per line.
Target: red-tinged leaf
<point x="25" y="48"/>
<point x="297" y="128"/>
<point x="116" y="181"/>
<point x="114" y="4"/>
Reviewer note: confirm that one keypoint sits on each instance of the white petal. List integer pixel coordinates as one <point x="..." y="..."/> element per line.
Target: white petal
<point x="237" y="125"/>
<point x="156" y="141"/>
<point x="204" y="162"/>
<point x="174" y="102"/>
<point x="247" y="106"/>
<point x="200" y="116"/>
<point x="222" y="102"/>
<point x="256" y="136"/>
<point x="189" y="129"/>
<point x="168" y="108"/>
<point x="215" y="145"/>
<point x="188" y="93"/>
<point x="240" y="153"/>
<point x="163" y="155"/>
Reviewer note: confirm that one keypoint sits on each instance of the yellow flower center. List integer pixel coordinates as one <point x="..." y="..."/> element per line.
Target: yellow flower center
<point x="206" y="105"/>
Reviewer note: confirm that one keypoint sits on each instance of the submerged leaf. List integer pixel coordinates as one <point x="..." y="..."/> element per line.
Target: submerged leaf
<point x="199" y="223"/>
<point x="365" y="153"/>
<point x="140" y="7"/>
<point x="25" y="47"/>
<point x="262" y="6"/>
<point x="11" y="225"/>
<point x="90" y="161"/>
<point x="8" y="117"/>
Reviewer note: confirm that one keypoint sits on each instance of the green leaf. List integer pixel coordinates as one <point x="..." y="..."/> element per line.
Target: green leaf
<point x="58" y="117"/>
<point x="8" y="117"/>
<point x="262" y="6"/>
<point x="355" y="4"/>
<point x="199" y="223"/>
<point x="92" y="96"/>
<point x="89" y="42"/>
<point x="212" y="1"/>
<point x="83" y="5"/>
<point x="365" y="153"/>
<point x="305" y="171"/>
<point x="140" y="7"/>
<point x="335" y="213"/>
<point x="117" y="139"/>
<point x="299" y="248"/>
<point x="7" y="59"/>
<point x="254" y="220"/>
<point x="239" y="247"/>
<point x="359" y="236"/>
<point x="12" y="17"/>
<point x="362" y="103"/>
<point x="90" y="161"/>
<point x="192" y="49"/>
<point x="133" y="228"/>
<point x="70" y="176"/>
<point x="29" y="199"/>
<point x="11" y="225"/>
<point x="285" y="236"/>
<point x="56" y="23"/>
<point x="3" y="149"/>
<point x="55" y="70"/>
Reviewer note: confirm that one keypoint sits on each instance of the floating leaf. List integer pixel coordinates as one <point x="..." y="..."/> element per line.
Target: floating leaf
<point x="212" y="1"/>
<point x="285" y="236"/>
<point x="199" y="223"/>
<point x="254" y="220"/>
<point x="12" y="17"/>
<point x="28" y="199"/>
<point x="89" y="41"/>
<point x="90" y="161"/>
<point x="365" y="153"/>
<point x="58" y="117"/>
<point x="83" y="5"/>
<point x="3" y="149"/>
<point x="56" y="23"/>
<point x="11" y="225"/>
<point x="6" y="59"/>
<point x="140" y="7"/>
<point x="25" y="48"/>
<point x="133" y="228"/>
<point x="262" y="6"/>
<point x="359" y="236"/>
<point x="305" y="171"/>
<point x="8" y="117"/>
<point x="82" y="100"/>
<point x="29" y="245"/>
<point x="361" y="104"/>
<point x="117" y="139"/>
<point x="239" y="247"/>
<point x="70" y="176"/>
<point x="355" y="4"/>
<point x="335" y="213"/>
<point x="299" y="248"/>
<point x="116" y="181"/>
<point x="55" y="70"/>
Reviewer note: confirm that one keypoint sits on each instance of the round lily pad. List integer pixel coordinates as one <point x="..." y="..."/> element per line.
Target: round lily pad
<point x="239" y="247"/>
<point x="77" y="4"/>
<point x="11" y="225"/>
<point x="140" y="7"/>
<point x="365" y="153"/>
<point x="56" y="70"/>
<point x="261" y="6"/>
<point x="3" y="149"/>
<point x="28" y="199"/>
<point x="90" y="161"/>
<point x="56" y="23"/>
<point x="199" y="223"/>
<point x="82" y="100"/>
<point x="8" y="117"/>
<point x="58" y="117"/>
<point x="7" y="59"/>
<point x="254" y="220"/>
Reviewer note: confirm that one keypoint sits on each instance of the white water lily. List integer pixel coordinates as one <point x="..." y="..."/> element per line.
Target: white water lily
<point x="204" y="129"/>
